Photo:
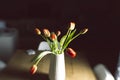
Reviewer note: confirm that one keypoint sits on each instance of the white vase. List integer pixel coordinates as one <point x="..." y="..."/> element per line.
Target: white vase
<point x="57" y="67"/>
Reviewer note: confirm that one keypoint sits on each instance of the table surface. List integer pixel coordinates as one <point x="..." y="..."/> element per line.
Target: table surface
<point x="20" y="63"/>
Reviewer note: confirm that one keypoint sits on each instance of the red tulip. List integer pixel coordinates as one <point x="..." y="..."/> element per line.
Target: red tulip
<point x="71" y="52"/>
<point x="53" y="36"/>
<point x="33" y="69"/>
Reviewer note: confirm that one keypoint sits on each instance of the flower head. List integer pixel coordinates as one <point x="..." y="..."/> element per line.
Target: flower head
<point x="46" y="32"/>
<point x="33" y="69"/>
<point x="71" y="52"/>
<point x="84" y="31"/>
<point x="72" y="25"/>
<point x="37" y="31"/>
<point x="58" y="33"/>
<point x="53" y="36"/>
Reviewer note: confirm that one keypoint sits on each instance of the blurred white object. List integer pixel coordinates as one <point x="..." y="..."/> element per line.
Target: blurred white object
<point x="30" y="52"/>
<point x="2" y="65"/>
<point x="2" y="24"/>
<point x="117" y="73"/>
<point x="103" y="73"/>
<point x="43" y="46"/>
<point x="8" y="40"/>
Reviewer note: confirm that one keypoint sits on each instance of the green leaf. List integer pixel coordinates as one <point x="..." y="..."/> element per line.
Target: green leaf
<point x="62" y="40"/>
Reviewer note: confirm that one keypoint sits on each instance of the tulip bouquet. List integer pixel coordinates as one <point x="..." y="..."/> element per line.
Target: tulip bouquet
<point x="57" y="46"/>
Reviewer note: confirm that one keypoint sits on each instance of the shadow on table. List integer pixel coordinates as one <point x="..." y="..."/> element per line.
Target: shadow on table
<point x="12" y="73"/>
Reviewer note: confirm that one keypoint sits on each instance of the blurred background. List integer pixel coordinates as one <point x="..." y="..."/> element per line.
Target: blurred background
<point x="101" y="44"/>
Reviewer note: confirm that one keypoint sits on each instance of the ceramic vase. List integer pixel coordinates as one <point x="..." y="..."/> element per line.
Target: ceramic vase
<point x="57" y="67"/>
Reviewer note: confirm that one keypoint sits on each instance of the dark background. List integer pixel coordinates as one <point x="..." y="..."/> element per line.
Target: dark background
<point x="101" y="44"/>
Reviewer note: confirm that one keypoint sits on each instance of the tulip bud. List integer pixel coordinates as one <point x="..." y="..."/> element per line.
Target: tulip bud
<point x="72" y="25"/>
<point x="71" y="52"/>
<point x="58" y="33"/>
<point x="33" y="69"/>
<point x="37" y="31"/>
<point x="46" y="32"/>
<point x="84" y="31"/>
<point x="53" y="36"/>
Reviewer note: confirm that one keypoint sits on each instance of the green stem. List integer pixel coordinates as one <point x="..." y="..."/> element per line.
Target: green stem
<point x="43" y="37"/>
<point x="41" y="56"/>
<point x="66" y="39"/>
<point x="71" y="40"/>
<point x="76" y="36"/>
